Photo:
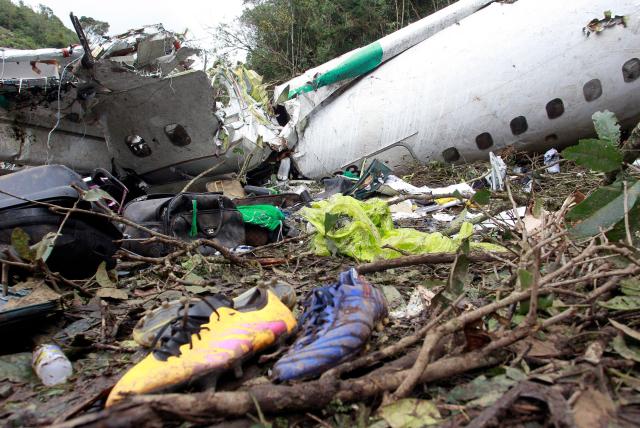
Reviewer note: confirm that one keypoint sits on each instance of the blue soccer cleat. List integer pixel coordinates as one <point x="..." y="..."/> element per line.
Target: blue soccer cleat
<point x="337" y="322"/>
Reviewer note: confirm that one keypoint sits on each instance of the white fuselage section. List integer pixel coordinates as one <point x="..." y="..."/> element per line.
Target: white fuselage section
<point x="521" y="74"/>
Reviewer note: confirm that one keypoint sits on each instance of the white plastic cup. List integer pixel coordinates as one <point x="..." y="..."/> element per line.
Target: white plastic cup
<point x="51" y="365"/>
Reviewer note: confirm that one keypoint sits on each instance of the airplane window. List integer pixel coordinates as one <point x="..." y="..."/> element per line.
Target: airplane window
<point x="138" y="146"/>
<point x="592" y="90"/>
<point x="177" y="135"/>
<point x="555" y="108"/>
<point x="631" y="70"/>
<point x="451" y="154"/>
<point x="519" y="125"/>
<point x="484" y="141"/>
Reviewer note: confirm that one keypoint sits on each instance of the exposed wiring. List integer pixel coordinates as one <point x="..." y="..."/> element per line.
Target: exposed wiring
<point x="58" y="114"/>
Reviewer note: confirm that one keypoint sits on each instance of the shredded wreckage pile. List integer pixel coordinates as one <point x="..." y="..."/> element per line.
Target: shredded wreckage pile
<point x="500" y="292"/>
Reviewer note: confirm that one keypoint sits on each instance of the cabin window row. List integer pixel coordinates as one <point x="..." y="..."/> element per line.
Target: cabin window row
<point x="592" y="90"/>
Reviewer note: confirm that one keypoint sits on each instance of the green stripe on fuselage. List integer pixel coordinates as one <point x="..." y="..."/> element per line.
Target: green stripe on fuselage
<point x="361" y="62"/>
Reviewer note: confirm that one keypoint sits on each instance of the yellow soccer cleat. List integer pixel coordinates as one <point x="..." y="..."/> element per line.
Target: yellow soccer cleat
<point x="211" y="338"/>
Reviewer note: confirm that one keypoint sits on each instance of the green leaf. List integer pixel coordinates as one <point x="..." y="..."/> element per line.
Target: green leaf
<point x="622" y="303"/>
<point x="626" y="351"/>
<point x="482" y="197"/>
<point x="597" y="155"/>
<point x="626" y="330"/>
<point x="93" y="195"/>
<point x="411" y="413"/>
<point x="102" y="276"/>
<point x="482" y="391"/>
<point x="630" y="286"/>
<point x="607" y="128"/>
<point x="44" y="248"/>
<point x="20" y="242"/>
<point x="459" y="276"/>
<point x="601" y="210"/>
<point x="619" y="231"/>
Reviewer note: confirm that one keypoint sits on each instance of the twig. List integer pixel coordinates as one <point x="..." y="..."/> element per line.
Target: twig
<point x="5" y="279"/>
<point x="626" y="214"/>
<point x="199" y="176"/>
<point x="434" y="258"/>
<point x="271" y="398"/>
<point x="284" y="241"/>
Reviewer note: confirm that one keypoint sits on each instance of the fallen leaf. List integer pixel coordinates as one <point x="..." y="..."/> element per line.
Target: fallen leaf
<point x="112" y="293"/>
<point x="622" y="303"/>
<point x="592" y="409"/>
<point x="626" y="330"/>
<point x="624" y="350"/>
<point x="459" y="276"/>
<point x="410" y="413"/>
<point x="481" y="390"/>
<point x="20" y="242"/>
<point x="102" y="276"/>
<point x="630" y="286"/>
<point x="196" y="289"/>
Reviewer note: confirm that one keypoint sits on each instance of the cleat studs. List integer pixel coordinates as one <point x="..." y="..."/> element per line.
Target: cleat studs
<point x="379" y="327"/>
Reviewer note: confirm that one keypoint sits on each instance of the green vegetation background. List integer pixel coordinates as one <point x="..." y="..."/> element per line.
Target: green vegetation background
<point x="21" y="27"/>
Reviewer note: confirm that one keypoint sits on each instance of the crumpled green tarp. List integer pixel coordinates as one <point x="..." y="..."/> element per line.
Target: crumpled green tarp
<point x="359" y="229"/>
<point x="266" y="216"/>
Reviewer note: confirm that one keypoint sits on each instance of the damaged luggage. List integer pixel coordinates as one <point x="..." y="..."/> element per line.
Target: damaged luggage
<point x="85" y="241"/>
<point x="187" y="217"/>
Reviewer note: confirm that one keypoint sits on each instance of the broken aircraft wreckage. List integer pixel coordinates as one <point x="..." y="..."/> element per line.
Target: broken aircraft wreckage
<point x="472" y="78"/>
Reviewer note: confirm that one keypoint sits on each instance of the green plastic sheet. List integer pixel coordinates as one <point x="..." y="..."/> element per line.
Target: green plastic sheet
<point x="266" y="216"/>
<point x="359" y="229"/>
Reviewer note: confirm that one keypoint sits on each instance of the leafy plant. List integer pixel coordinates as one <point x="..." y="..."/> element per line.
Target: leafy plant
<point x="604" y="209"/>
<point x="601" y="154"/>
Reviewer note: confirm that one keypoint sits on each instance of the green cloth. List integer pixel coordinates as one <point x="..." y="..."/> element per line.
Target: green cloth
<point x="266" y="216"/>
<point x="359" y="229"/>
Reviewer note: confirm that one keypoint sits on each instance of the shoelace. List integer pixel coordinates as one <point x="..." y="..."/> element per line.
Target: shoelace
<point x="185" y="325"/>
<point x="315" y="314"/>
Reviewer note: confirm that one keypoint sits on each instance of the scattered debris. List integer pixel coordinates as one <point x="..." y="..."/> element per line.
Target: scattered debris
<point x="51" y="365"/>
<point x="184" y="283"/>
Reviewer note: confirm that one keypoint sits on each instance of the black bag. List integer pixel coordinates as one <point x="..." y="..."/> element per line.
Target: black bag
<point x="86" y="240"/>
<point x="186" y="216"/>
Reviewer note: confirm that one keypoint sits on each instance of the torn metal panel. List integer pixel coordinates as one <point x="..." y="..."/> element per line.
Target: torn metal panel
<point x="137" y="108"/>
<point x="166" y="130"/>
<point x="521" y="73"/>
